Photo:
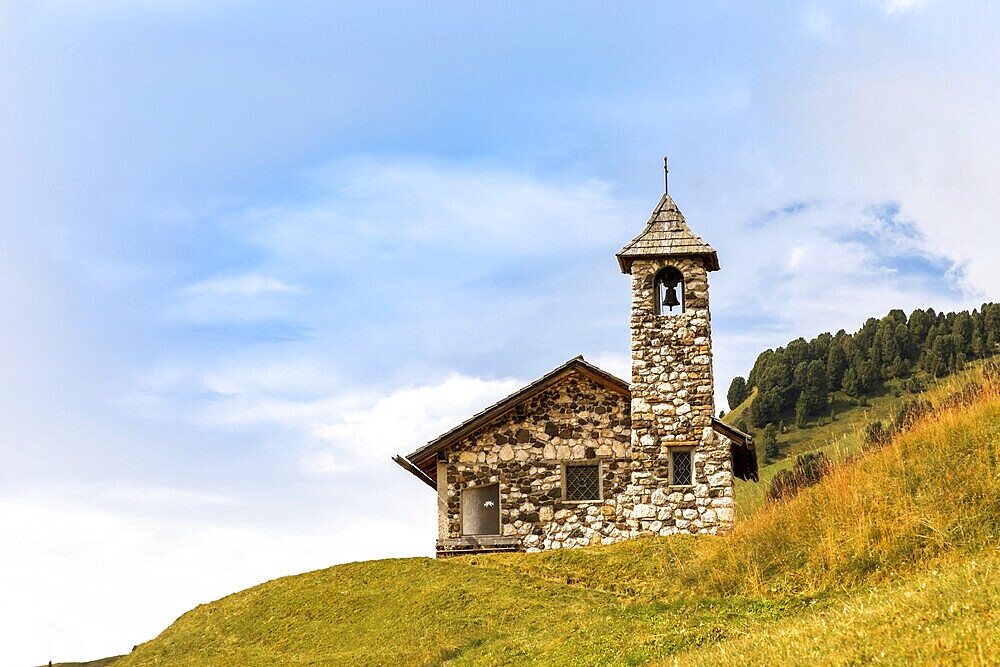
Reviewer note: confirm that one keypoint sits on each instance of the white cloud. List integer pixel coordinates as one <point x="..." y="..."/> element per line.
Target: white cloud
<point x="335" y="431"/>
<point x="618" y="364"/>
<point x="821" y="266"/>
<point x="162" y="497"/>
<point x="401" y="421"/>
<point x="919" y="129"/>
<point x="382" y="206"/>
<point x="795" y="257"/>
<point x="81" y="581"/>
<point x="901" y="6"/>
<point x="244" y="298"/>
<point x="249" y="285"/>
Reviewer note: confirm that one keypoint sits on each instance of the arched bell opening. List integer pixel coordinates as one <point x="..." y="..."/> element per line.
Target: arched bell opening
<point x="668" y="292"/>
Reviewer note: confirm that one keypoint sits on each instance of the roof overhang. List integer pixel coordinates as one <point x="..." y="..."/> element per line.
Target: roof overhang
<point x="424" y="459"/>
<point x="743" y="450"/>
<point x="422" y="462"/>
<point x="625" y="261"/>
<point x="414" y="470"/>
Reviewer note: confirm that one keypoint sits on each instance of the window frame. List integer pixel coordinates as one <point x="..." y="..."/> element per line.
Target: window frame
<point x="579" y="464"/>
<point x="672" y="482"/>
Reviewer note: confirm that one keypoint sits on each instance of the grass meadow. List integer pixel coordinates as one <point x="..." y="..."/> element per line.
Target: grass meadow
<point x="894" y="558"/>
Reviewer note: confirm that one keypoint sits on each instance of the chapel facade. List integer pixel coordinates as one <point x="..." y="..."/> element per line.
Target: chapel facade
<point x="580" y="457"/>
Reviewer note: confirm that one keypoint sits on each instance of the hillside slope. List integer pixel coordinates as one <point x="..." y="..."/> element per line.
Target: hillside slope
<point x="892" y="558"/>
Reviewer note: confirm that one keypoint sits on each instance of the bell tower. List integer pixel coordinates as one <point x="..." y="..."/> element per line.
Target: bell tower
<point x="691" y="485"/>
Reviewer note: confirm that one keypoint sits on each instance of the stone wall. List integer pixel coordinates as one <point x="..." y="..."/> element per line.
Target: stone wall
<point x="580" y="420"/>
<point x="673" y="403"/>
<point x="575" y="420"/>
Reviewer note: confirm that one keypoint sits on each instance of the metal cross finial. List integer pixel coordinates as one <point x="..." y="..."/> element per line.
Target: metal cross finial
<point x="666" y="189"/>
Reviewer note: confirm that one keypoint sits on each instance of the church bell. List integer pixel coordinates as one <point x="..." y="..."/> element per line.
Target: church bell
<point x="670" y="298"/>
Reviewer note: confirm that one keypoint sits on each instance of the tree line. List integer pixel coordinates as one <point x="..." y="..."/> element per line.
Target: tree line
<point x="801" y="376"/>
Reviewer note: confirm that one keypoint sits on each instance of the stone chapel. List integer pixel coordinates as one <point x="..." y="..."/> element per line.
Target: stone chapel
<point x="580" y="457"/>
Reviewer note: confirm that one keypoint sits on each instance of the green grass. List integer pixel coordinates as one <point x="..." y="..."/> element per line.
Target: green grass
<point x="839" y="431"/>
<point x="947" y="616"/>
<point x="892" y="559"/>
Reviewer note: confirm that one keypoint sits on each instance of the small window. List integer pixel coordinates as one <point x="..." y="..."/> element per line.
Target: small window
<point x="582" y="481"/>
<point x="681" y="468"/>
<point x="668" y="292"/>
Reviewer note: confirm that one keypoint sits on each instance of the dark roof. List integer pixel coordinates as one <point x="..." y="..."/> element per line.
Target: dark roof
<point x="415" y="471"/>
<point x="422" y="462"/>
<point x="425" y="455"/>
<point x="667" y="234"/>
<point x="744" y="455"/>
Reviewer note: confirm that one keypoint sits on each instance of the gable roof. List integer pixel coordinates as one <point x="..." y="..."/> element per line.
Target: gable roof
<point x="422" y="462"/>
<point x="667" y="234"/>
<point x="421" y="456"/>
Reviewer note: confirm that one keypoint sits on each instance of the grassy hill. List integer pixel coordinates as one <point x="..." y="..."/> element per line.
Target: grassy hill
<point x="837" y="431"/>
<point x="893" y="558"/>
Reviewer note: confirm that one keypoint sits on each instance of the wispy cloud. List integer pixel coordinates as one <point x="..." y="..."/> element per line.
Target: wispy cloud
<point x="72" y="568"/>
<point x="821" y="267"/>
<point x="249" y="285"/>
<point x="901" y="6"/>
<point x="816" y="21"/>
<point x="334" y="432"/>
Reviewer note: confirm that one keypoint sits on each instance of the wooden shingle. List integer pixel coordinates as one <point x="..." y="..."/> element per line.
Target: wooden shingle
<point x="667" y="234"/>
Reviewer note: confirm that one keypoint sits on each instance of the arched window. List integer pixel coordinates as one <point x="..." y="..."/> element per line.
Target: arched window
<point x="668" y="291"/>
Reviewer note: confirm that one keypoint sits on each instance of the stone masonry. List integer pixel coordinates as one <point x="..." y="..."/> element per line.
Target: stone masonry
<point x="576" y="420"/>
<point x="673" y="399"/>
<point x="635" y="432"/>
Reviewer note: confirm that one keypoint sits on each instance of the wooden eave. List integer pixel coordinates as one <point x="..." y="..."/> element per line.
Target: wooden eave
<point x="733" y="433"/>
<point x="424" y="460"/>
<point x="415" y="471"/>
<point x="625" y="261"/>
<point x="743" y="450"/>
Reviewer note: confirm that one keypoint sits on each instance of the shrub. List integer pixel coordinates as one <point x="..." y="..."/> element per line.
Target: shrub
<point x="808" y="469"/>
<point x="782" y="486"/>
<point x="875" y="435"/>
<point x="910" y="411"/>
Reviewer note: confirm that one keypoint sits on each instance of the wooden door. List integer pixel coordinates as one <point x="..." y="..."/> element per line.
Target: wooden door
<point x="481" y="510"/>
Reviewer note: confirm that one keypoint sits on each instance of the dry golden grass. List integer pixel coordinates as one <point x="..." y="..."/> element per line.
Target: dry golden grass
<point x="891" y="559"/>
<point x="931" y="491"/>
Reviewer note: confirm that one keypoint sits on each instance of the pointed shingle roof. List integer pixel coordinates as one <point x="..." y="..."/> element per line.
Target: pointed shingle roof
<point x="667" y="234"/>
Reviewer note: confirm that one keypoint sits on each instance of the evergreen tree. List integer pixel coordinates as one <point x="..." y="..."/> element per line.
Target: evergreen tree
<point x="892" y="347"/>
<point x="962" y="329"/>
<point x="802" y="410"/>
<point x="765" y="409"/>
<point x="887" y="347"/>
<point x="917" y="327"/>
<point x="852" y="385"/>
<point x="991" y="327"/>
<point x="836" y="364"/>
<point x="770" y="443"/>
<point x="978" y="345"/>
<point x="738" y="392"/>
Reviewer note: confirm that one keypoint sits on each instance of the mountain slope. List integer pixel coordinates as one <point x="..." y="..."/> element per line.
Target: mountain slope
<point x="903" y="539"/>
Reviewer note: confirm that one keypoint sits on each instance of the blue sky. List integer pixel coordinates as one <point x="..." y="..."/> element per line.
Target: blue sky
<point x="248" y="251"/>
